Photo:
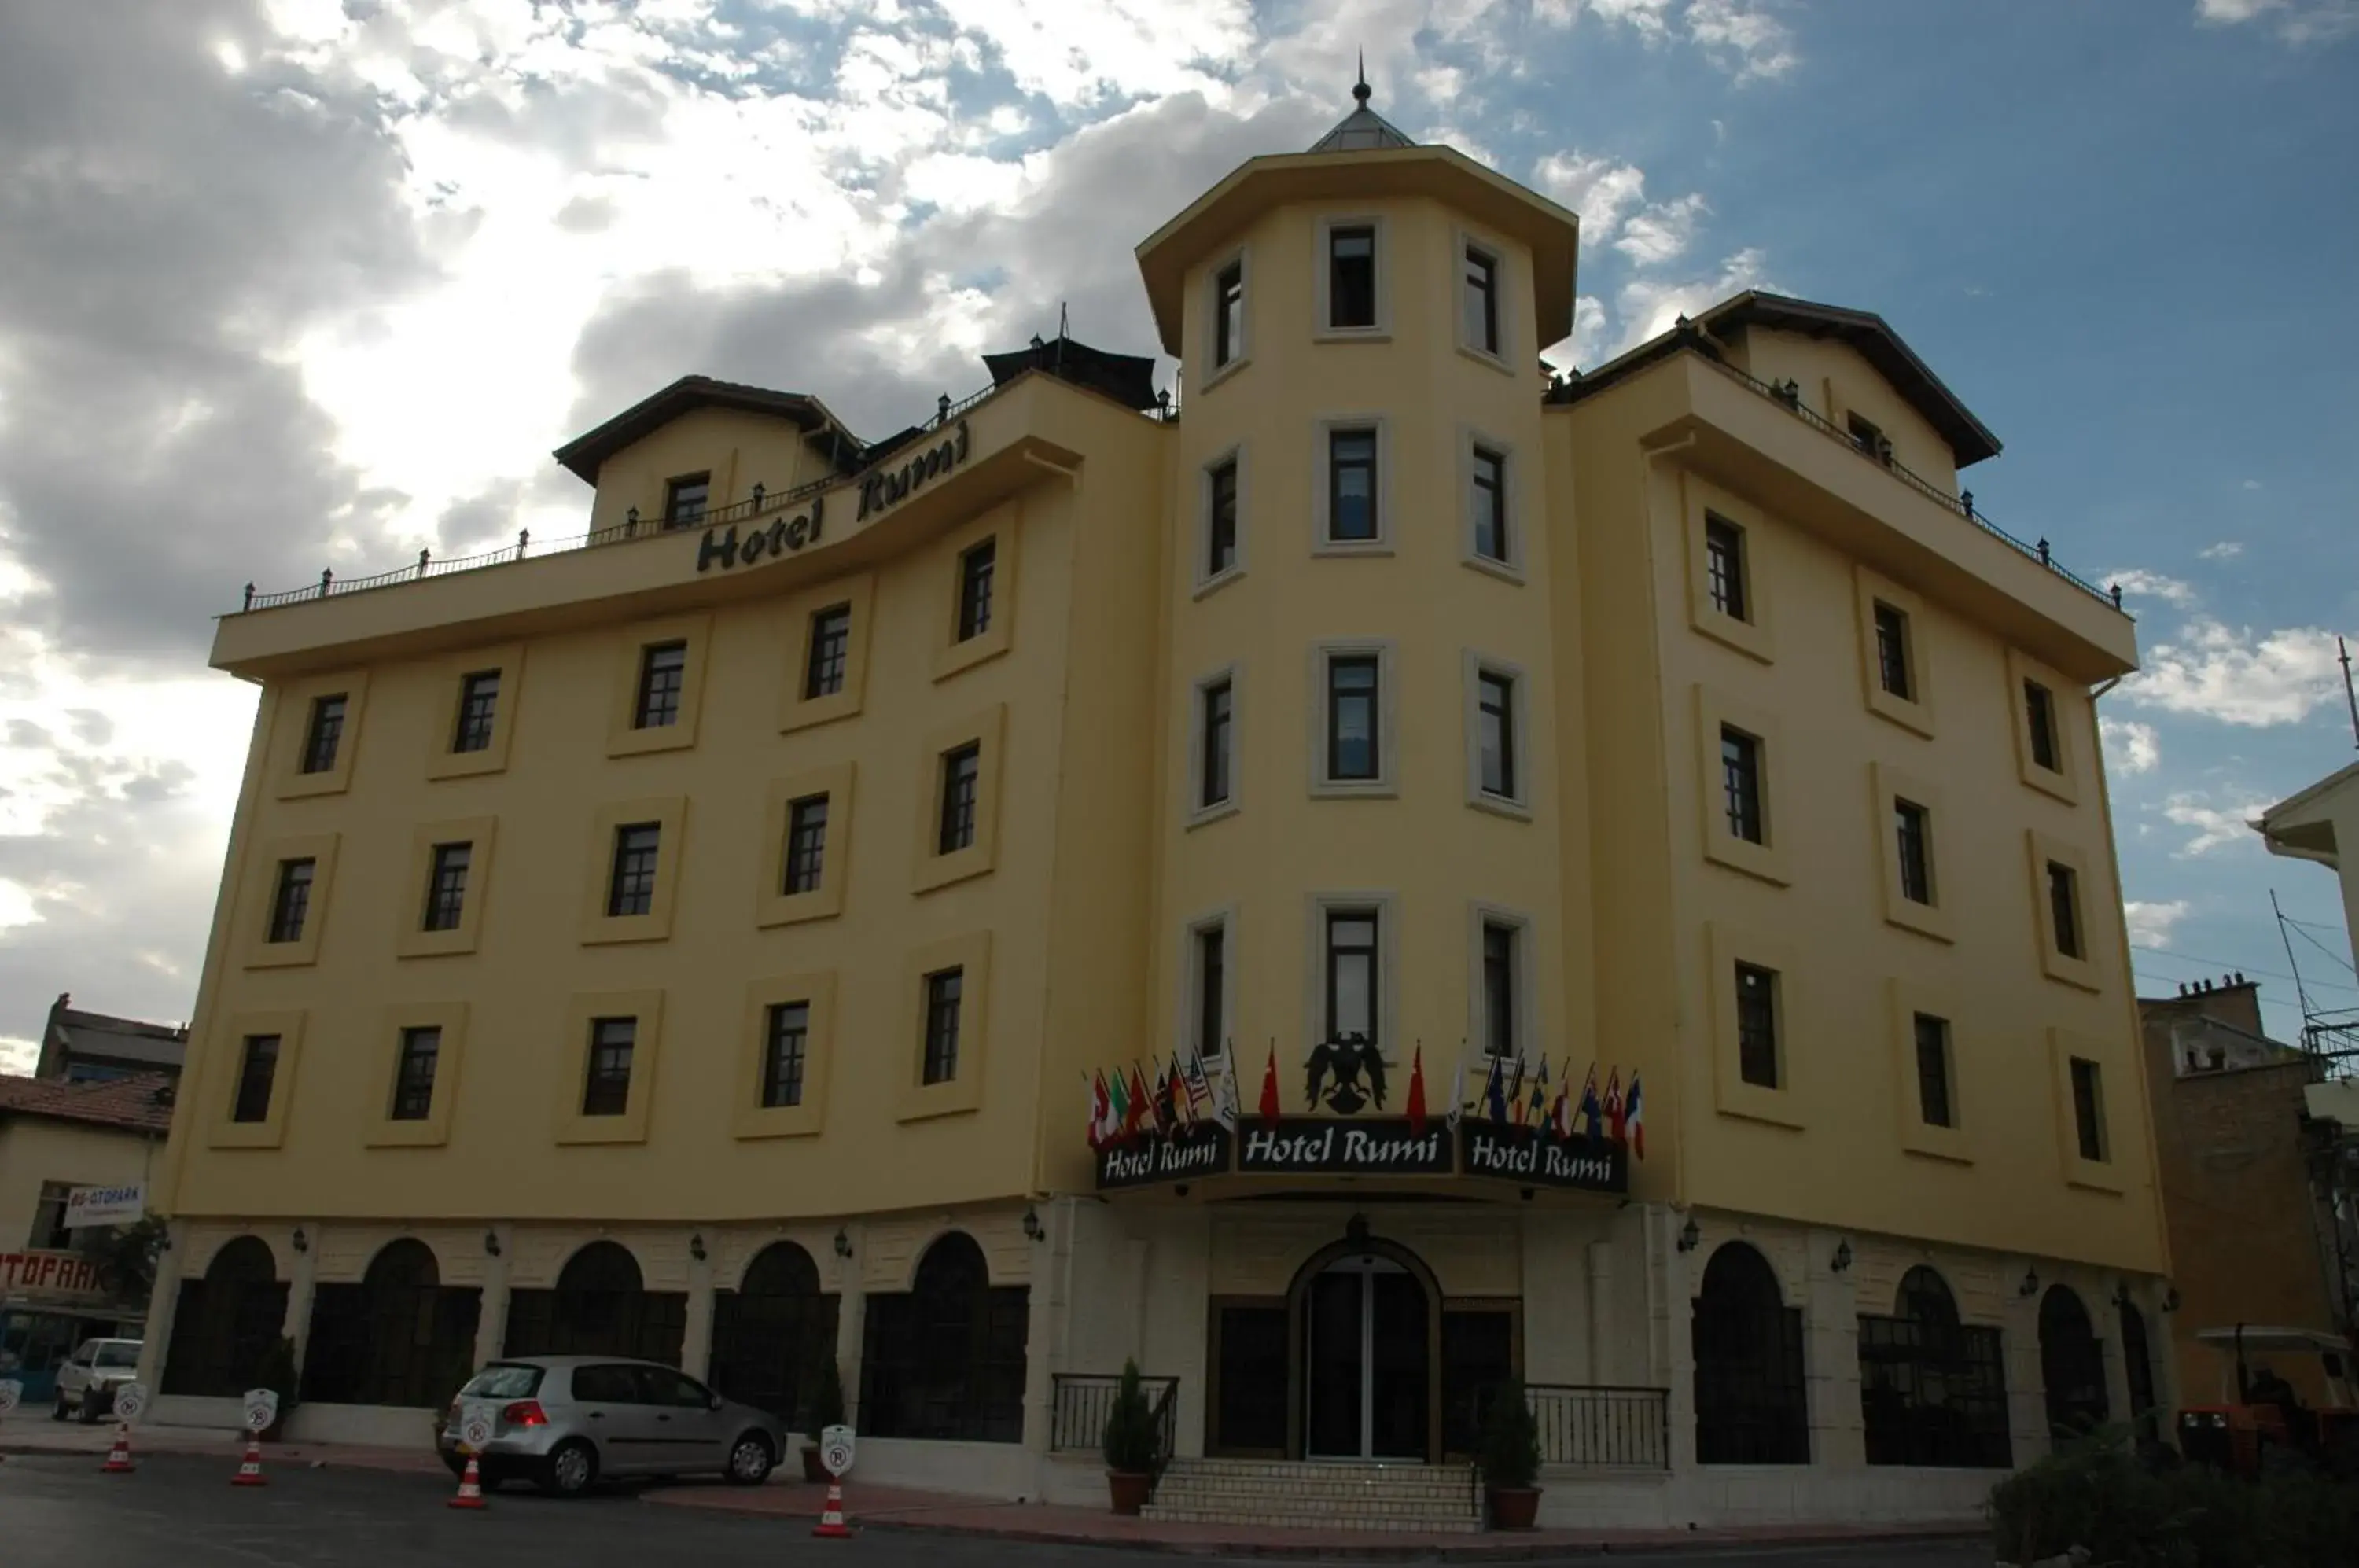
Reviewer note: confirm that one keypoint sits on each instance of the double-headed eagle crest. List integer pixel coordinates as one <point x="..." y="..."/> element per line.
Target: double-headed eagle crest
<point x="1346" y="1060"/>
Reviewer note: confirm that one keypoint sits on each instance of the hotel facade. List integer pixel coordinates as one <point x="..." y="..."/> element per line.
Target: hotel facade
<point x="702" y="942"/>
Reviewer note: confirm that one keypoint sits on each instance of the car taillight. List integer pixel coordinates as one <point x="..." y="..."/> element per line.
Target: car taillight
<point x="525" y="1413"/>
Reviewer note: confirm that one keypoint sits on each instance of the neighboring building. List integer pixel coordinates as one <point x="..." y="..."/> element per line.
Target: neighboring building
<point x="2257" y="1187"/>
<point x="703" y="942"/>
<point x="2311" y="825"/>
<point x="90" y="1047"/>
<point x="55" y="1136"/>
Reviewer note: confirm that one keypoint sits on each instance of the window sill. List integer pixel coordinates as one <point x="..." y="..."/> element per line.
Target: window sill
<point x="1223" y="373"/>
<point x="1766" y="1107"/>
<point x="2094" y="1176"/>
<point x="1488" y="360"/>
<point x="964" y="656"/>
<point x="611" y="929"/>
<point x="1501" y="806"/>
<point x="956" y="1098"/>
<point x="1210" y="585"/>
<point x="1378" y="334"/>
<point x="424" y="1134"/>
<point x="1925" y="919"/>
<point x="802" y="712"/>
<point x="654" y="737"/>
<point x="435" y="944"/>
<point x="283" y="954"/>
<point x="1946" y="1146"/>
<point x="2052" y="783"/>
<point x="943" y="870"/>
<point x="2081" y="974"/>
<point x="1747" y="638"/>
<point x="1202" y="815"/>
<point x="1760" y="861"/>
<point x="1379" y="546"/>
<point x="628" y="1127"/>
<point x="824" y="902"/>
<point x="1354" y="789"/>
<point x="1912" y="715"/>
<point x="777" y="1121"/>
<point x="1504" y="571"/>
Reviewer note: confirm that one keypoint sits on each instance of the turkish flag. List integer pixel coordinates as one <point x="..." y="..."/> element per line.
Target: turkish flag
<point x="1417" y="1093"/>
<point x="1270" y="1089"/>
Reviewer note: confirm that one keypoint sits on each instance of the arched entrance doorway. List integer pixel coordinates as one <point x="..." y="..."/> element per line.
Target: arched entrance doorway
<point x="1749" y="1402"/>
<point x="2071" y="1365"/>
<point x="227" y="1322"/>
<point x="1366" y="1317"/>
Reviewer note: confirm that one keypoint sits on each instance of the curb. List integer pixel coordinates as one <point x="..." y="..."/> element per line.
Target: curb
<point x="34" y="1448"/>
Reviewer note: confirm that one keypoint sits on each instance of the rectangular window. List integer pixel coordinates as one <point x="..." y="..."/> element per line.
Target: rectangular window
<point x="631" y="890"/>
<point x="1350" y="486"/>
<point x="1352" y="276"/>
<point x="1870" y="440"/>
<point x="830" y="647"/>
<point x="290" y="905"/>
<point x="1723" y="559"/>
<point x="1499" y="988"/>
<point x="806" y="844"/>
<point x="2039" y="711"/>
<point x="1910" y="832"/>
<point x="2064" y="907"/>
<point x="976" y="570"/>
<point x="1351" y="973"/>
<point x="606" y="1082"/>
<point x="1213" y="787"/>
<point x="1740" y="777"/>
<point x="1892" y="652"/>
<point x="1757" y="1025"/>
<point x="1487" y="496"/>
<point x="1228" y="313"/>
<point x="50" y="1232"/>
<point x="1211" y="991"/>
<point x="324" y="734"/>
<point x="257" y="1069"/>
<point x="2088" y="1109"/>
<point x="961" y="773"/>
<point x="786" y="1046"/>
<point x="1933" y="1070"/>
<point x="413" y="1073"/>
<point x="1351" y="736"/>
<point x="479" y="703"/>
<point x="1481" y="301"/>
<point x="1220" y="525"/>
<point x="1494" y="699"/>
<point x="684" y="499"/>
<point x="663" y="667"/>
<point x="945" y="991"/>
<point x="446" y="887"/>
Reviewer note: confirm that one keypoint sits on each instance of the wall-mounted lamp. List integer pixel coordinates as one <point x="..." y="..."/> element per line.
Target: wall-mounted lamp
<point x="491" y="1244"/>
<point x="302" y="1243"/>
<point x="843" y="1244"/>
<point x="1689" y="1236"/>
<point x="2030" y="1286"/>
<point x="2122" y="1296"/>
<point x="696" y="1246"/>
<point x="1031" y="1223"/>
<point x="2170" y="1299"/>
<point x="1842" y="1259"/>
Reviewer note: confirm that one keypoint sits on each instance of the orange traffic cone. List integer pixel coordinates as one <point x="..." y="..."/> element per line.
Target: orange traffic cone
<point x="249" y="1472"/>
<point x="471" y="1488"/>
<point x="118" y="1458"/>
<point x="831" y="1519"/>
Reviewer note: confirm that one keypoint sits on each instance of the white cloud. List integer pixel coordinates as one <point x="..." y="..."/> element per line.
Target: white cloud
<point x="2226" y="550"/>
<point x="2149" y="923"/>
<point x="2252" y="484"/>
<point x="2231" y="674"/>
<point x="1650" y="306"/>
<point x="1599" y="188"/>
<point x="19" y="1055"/>
<point x="2215" y="827"/>
<point x="1662" y="231"/>
<point x="2138" y="584"/>
<point x="1739" y="35"/>
<point x="2313" y="22"/>
<point x="2130" y="747"/>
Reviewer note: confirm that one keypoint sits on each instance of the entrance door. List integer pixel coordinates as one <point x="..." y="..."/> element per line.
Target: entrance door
<point x="1366" y="1361"/>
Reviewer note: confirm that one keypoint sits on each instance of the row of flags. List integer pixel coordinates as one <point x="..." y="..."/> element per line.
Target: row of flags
<point x="1170" y="1099"/>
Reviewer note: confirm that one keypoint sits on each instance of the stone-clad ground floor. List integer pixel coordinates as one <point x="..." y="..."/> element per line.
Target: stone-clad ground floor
<point x="1698" y="1367"/>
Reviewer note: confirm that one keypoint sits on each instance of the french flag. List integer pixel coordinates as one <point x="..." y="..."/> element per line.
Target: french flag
<point x="1632" y="1126"/>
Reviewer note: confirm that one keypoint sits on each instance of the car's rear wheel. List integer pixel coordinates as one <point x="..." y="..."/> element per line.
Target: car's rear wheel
<point x="570" y="1469"/>
<point x="58" y="1411"/>
<point x="750" y="1460"/>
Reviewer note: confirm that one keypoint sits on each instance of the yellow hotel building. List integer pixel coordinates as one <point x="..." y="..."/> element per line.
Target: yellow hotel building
<point x="700" y="943"/>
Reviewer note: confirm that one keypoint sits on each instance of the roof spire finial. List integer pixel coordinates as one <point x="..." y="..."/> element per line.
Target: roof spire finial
<point x="1360" y="89"/>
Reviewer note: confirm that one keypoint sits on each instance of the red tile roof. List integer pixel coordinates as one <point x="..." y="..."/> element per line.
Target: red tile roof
<point x="142" y="1103"/>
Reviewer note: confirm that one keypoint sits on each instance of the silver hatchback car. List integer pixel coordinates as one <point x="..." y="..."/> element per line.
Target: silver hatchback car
<point x="563" y="1421"/>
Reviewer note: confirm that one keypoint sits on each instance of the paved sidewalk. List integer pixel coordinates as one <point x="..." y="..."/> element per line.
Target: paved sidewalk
<point x="907" y="1508"/>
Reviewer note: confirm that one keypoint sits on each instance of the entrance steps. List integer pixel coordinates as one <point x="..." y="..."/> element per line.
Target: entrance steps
<point x="1403" y="1496"/>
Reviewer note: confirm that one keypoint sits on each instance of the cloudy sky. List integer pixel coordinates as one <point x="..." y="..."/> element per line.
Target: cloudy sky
<point x="294" y="284"/>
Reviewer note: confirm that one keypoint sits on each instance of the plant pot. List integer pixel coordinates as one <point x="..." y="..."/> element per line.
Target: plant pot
<point x="1512" y="1508"/>
<point x="813" y="1471"/>
<point x="1128" y="1489"/>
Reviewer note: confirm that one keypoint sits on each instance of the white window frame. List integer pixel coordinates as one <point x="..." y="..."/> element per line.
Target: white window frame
<point x="1511" y="484"/>
<point x="1324" y="428"/>
<point x="1207" y="582"/>
<point x="1198" y="811"/>
<point x="1480" y="914"/>
<point x="1241" y="257"/>
<point x="1383" y="905"/>
<point x="1323" y="280"/>
<point x="1464" y="240"/>
<point x="1187" y="1015"/>
<point x="1473" y="666"/>
<point x="1386" y="783"/>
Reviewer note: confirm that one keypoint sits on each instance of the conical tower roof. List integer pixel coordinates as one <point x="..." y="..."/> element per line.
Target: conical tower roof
<point x="1363" y="129"/>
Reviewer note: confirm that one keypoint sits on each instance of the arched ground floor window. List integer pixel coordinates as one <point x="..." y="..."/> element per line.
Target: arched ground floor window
<point x="1931" y="1391"/>
<point x="770" y="1333"/>
<point x="945" y="1359"/>
<point x="2138" y="1366"/>
<point x="398" y="1338"/>
<point x="1750" y="1404"/>
<point x="599" y="1308"/>
<point x="2071" y="1366"/>
<point x="225" y="1323"/>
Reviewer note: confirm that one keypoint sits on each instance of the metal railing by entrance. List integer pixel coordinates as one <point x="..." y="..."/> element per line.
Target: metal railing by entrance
<point x="1080" y="1403"/>
<point x="1599" y="1426"/>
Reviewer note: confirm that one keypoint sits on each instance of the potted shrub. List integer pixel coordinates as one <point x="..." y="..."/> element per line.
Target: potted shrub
<point x="276" y="1373"/>
<point x="1511" y="1458"/>
<point x="826" y="1411"/>
<point x="1129" y="1442"/>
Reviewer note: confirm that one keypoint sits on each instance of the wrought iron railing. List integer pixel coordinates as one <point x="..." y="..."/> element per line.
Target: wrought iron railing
<point x="1788" y="397"/>
<point x="1080" y="1403"/>
<point x="1601" y="1425"/>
